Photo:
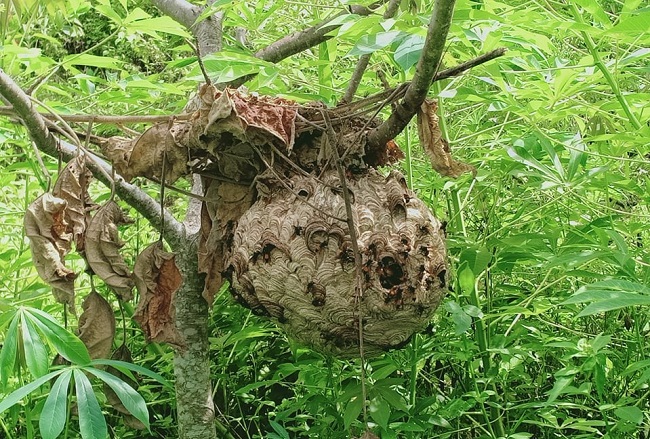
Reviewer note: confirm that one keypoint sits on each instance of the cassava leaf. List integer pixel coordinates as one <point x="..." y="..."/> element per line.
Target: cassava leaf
<point x="97" y="326"/>
<point x="55" y="410"/>
<point x="66" y="343"/>
<point x="157" y="279"/>
<point x="33" y="349"/>
<point x="103" y="250"/>
<point x="92" y="424"/>
<point x="122" y="354"/>
<point x="435" y="145"/>
<point x="49" y="243"/>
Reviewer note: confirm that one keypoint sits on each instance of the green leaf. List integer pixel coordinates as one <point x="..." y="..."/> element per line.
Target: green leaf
<point x="55" y="410"/>
<point x="374" y="42"/>
<point x="35" y="352"/>
<point x="352" y="411"/>
<point x="92" y="424"/>
<point x="609" y="295"/>
<point x="9" y="350"/>
<point x="85" y="59"/>
<point x="379" y="411"/>
<point x="408" y="52"/>
<point x="67" y="344"/>
<point x="125" y="367"/>
<point x="635" y="24"/>
<point x="279" y="429"/>
<point x="164" y="24"/>
<point x="630" y="413"/>
<point x="15" y="396"/>
<point x="466" y="280"/>
<point x="131" y="399"/>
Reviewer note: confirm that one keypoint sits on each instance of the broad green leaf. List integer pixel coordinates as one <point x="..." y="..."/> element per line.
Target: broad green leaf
<point x="106" y="10"/>
<point x="92" y="424"/>
<point x="86" y="59"/>
<point x="352" y="411"/>
<point x="131" y="399"/>
<point x="374" y="42"/>
<point x="466" y="280"/>
<point x="55" y="411"/>
<point x="125" y="367"/>
<point x="408" y="52"/>
<point x="635" y="24"/>
<point x="35" y="352"/>
<point x="379" y="411"/>
<point x="15" y="396"/>
<point x="279" y="429"/>
<point x="164" y="24"/>
<point x="630" y="413"/>
<point x="65" y="343"/>
<point x="9" y="350"/>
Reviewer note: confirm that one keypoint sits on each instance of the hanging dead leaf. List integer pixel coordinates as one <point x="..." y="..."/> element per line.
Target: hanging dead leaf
<point x="436" y="147"/>
<point x="157" y="279"/>
<point x="122" y="354"/>
<point x="49" y="243"/>
<point x="72" y="186"/>
<point x="102" y="250"/>
<point x="97" y="326"/>
<point x="146" y="159"/>
<point x="118" y="151"/>
<point x="224" y="204"/>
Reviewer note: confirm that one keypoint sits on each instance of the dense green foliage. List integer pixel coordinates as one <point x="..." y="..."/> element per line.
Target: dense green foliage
<point x="545" y="331"/>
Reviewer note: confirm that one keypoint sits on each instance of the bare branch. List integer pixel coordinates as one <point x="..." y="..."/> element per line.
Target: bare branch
<point x="207" y="32"/>
<point x="425" y="71"/>
<point x="46" y="142"/>
<point x="303" y="40"/>
<point x="364" y="60"/>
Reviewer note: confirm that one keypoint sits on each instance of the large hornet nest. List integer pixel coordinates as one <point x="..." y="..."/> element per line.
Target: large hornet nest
<point x="274" y="220"/>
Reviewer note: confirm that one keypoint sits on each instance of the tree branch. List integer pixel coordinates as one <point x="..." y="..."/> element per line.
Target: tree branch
<point x="425" y="71"/>
<point x="304" y="39"/>
<point x="364" y="60"/>
<point x="46" y="142"/>
<point x="207" y="32"/>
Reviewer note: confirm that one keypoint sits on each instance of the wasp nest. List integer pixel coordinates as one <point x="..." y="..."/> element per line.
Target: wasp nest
<point x="293" y="260"/>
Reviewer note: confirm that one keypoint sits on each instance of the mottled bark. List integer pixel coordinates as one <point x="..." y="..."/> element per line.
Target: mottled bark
<point x="195" y="409"/>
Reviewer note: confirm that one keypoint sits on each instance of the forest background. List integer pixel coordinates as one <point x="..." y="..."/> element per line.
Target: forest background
<point x="544" y="333"/>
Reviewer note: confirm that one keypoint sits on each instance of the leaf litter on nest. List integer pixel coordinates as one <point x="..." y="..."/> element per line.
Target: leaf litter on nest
<point x="102" y="250"/>
<point x="49" y="242"/>
<point x="157" y="278"/>
<point x="97" y="326"/>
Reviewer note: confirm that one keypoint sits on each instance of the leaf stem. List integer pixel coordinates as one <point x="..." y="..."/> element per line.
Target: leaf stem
<point x="600" y="65"/>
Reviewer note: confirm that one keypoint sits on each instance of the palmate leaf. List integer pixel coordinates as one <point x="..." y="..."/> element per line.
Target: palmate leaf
<point x="55" y="410"/>
<point x="125" y="368"/>
<point x="131" y="399"/>
<point x="9" y="350"/>
<point x="15" y="396"/>
<point x="92" y="424"/>
<point x="65" y="343"/>
<point x="609" y="295"/>
<point x="35" y="352"/>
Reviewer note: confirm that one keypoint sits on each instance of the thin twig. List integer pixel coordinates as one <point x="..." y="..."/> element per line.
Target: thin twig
<point x="332" y="140"/>
<point x="101" y="118"/>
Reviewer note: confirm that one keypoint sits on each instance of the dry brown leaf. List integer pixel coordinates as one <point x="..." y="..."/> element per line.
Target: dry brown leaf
<point x="253" y="118"/>
<point x="146" y="159"/>
<point x="122" y="354"/>
<point x="224" y="204"/>
<point x="102" y="250"/>
<point x="49" y="242"/>
<point x="157" y="279"/>
<point x="118" y="150"/>
<point x="72" y="186"/>
<point x="435" y="145"/>
<point x="97" y="326"/>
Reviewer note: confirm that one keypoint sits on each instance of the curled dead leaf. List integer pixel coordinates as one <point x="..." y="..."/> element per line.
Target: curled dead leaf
<point x="102" y="250"/>
<point x="49" y="242"/>
<point x="72" y="186"/>
<point x="157" y="278"/>
<point x="97" y="326"/>
<point x="436" y="147"/>
<point x="146" y="159"/>
<point x="118" y="151"/>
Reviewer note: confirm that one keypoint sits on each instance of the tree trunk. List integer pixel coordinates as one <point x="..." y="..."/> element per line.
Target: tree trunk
<point x="192" y="364"/>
